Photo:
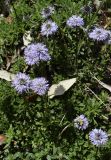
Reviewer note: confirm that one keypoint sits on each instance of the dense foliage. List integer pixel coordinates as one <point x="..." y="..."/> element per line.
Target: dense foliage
<point x="35" y="126"/>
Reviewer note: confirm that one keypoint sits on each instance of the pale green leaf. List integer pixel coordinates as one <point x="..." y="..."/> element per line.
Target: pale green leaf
<point x="27" y="38"/>
<point x="6" y="75"/>
<point x="60" y="88"/>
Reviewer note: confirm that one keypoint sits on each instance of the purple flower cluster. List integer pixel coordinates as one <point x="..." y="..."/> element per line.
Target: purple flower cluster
<point x="22" y="83"/>
<point x="46" y="12"/>
<point x="81" y="122"/>
<point x="39" y="85"/>
<point x="98" y="137"/>
<point x="99" y="34"/>
<point x="48" y="28"/>
<point x="75" y="21"/>
<point x="34" y="53"/>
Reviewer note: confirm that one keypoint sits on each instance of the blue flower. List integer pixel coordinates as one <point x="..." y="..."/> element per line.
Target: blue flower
<point x="99" y="34"/>
<point x="46" y="12"/>
<point x="39" y="85"/>
<point x="21" y="82"/>
<point x="75" y="21"/>
<point x="34" y="53"/>
<point x="81" y="122"/>
<point x="48" y="28"/>
<point x="98" y="137"/>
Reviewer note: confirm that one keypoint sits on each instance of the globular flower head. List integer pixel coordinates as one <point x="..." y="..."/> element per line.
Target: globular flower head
<point x="21" y="82"/>
<point x="99" y="34"/>
<point x="81" y="122"/>
<point x="34" y="53"/>
<point x="75" y="21"/>
<point x="98" y="137"/>
<point x="48" y="28"/>
<point x="86" y="9"/>
<point x="46" y="12"/>
<point x="39" y="85"/>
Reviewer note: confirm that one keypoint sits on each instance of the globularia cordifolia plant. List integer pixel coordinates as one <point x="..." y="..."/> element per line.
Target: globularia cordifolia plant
<point x="68" y="39"/>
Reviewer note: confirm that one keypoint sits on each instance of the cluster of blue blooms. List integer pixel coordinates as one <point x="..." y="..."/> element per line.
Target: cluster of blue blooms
<point x="22" y="83"/>
<point x="46" y="12"/>
<point x="75" y="21"/>
<point x="49" y="27"/>
<point x="33" y="54"/>
<point x="39" y="85"/>
<point x="36" y="52"/>
<point x="81" y="122"/>
<point x="99" y="34"/>
<point x="98" y="137"/>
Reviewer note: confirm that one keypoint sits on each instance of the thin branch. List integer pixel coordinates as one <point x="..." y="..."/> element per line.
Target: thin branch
<point x="95" y="95"/>
<point x="62" y="119"/>
<point x="64" y="130"/>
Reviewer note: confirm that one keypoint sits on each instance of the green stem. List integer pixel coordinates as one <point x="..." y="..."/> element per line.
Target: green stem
<point x="76" y="58"/>
<point x="97" y="152"/>
<point x="78" y="47"/>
